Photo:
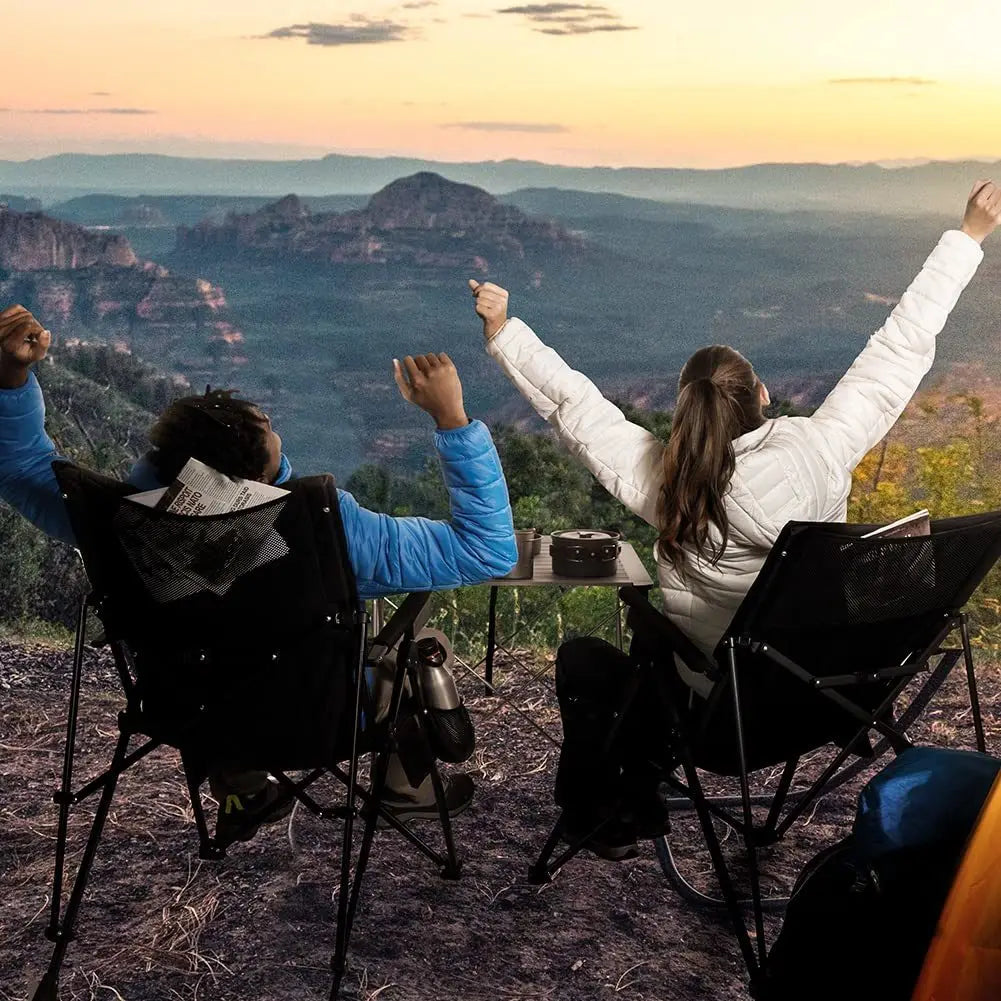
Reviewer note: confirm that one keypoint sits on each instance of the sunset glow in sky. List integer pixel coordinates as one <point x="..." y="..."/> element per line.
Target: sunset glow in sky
<point x="639" y="82"/>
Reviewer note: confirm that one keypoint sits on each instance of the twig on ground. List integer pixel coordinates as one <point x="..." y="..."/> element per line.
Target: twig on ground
<point x="619" y="985"/>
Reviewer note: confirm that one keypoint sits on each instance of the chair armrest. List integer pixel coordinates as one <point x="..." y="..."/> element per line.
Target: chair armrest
<point x="409" y="617"/>
<point x="646" y="621"/>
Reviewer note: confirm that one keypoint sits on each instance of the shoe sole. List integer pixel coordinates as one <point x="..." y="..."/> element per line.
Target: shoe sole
<point x="248" y="832"/>
<point x="405" y="816"/>
<point x="611" y="853"/>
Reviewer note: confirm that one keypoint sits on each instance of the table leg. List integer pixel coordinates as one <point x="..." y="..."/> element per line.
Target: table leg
<point x="378" y="615"/>
<point x="618" y="620"/>
<point x="488" y="688"/>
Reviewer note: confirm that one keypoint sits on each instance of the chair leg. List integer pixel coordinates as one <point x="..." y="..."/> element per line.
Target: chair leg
<point x="453" y="868"/>
<point x="65" y="795"/>
<point x="700" y="803"/>
<point x="719" y="862"/>
<point x="415" y="839"/>
<point x="62" y="932"/>
<point x="745" y="793"/>
<point x="540" y="871"/>
<point x="345" y="909"/>
<point x="788" y="774"/>
<point x="350" y="890"/>
<point x="208" y="849"/>
<point x="971" y="681"/>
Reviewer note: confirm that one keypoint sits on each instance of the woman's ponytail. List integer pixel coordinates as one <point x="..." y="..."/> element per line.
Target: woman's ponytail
<point x="718" y="400"/>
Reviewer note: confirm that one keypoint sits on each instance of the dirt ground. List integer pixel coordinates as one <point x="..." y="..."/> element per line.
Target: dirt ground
<point x="159" y="924"/>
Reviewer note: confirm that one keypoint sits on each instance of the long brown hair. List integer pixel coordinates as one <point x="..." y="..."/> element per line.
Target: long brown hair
<point x="718" y="400"/>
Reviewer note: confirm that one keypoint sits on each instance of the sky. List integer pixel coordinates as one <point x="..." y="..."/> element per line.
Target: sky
<point x="631" y="82"/>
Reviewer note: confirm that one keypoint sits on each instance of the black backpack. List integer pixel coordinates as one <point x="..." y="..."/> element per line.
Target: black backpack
<point x="855" y="931"/>
<point x="863" y="912"/>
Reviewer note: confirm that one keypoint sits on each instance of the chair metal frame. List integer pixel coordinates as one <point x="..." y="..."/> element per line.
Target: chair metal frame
<point x="681" y="743"/>
<point x="132" y="722"/>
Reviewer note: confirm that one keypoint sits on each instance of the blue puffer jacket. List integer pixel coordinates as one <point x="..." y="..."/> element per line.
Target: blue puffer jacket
<point x="389" y="555"/>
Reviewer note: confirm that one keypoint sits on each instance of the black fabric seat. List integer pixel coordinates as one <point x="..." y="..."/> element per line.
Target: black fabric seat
<point x="819" y="652"/>
<point x="238" y="638"/>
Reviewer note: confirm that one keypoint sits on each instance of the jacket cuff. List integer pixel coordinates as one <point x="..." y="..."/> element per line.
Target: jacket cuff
<point x="457" y="443"/>
<point x="964" y="249"/>
<point x="13" y="402"/>
<point x="500" y="344"/>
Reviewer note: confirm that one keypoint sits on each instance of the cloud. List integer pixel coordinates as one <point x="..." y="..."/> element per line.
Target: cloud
<point x="100" y="93"/>
<point x="569" y="18"/>
<point x="360" y="30"/>
<point x="87" y="111"/>
<point x="418" y="4"/>
<point x="550" y="9"/>
<point x="895" y="81"/>
<point x="548" y="127"/>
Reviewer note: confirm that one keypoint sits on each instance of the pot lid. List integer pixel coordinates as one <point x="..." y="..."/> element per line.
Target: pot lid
<point x="584" y="534"/>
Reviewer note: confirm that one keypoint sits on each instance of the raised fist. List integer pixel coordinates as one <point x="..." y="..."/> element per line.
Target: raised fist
<point x="983" y="210"/>
<point x="23" y="340"/>
<point x="431" y="382"/>
<point x="491" y="305"/>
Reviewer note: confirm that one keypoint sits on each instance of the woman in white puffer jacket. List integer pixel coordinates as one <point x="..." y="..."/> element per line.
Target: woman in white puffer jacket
<point x="729" y="480"/>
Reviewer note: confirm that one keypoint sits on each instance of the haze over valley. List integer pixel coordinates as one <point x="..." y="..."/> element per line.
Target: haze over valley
<point x="301" y="300"/>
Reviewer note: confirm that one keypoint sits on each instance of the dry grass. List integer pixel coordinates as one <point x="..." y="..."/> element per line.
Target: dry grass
<point x="161" y="926"/>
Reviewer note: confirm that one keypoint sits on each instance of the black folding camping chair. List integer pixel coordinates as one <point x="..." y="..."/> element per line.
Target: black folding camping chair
<point x="833" y="629"/>
<point x="239" y="638"/>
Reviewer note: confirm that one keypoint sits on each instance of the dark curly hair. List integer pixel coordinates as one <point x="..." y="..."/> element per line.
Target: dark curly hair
<point x="224" y="433"/>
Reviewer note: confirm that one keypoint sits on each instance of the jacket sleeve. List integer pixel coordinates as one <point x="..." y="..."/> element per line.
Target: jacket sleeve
<point x="627" y="460"/>
<point x="865" y="404"/>
<point x="27" y="481"/>
<point x="392" y="555"/>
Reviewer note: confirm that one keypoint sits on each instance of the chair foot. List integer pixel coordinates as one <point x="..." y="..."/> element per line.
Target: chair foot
<point x="758" y="987"/>
<point x="450" y="870"/>
<point x="211" y="852"/>
<point x="539" y="874"/>
<point x="47" y="989"/>
<point x="339" y="970"/>
<point x="769" y="905"/>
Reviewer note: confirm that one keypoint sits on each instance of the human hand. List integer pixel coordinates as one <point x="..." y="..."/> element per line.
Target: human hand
<point x="491" y="305"/>
<point x="983" y="210"/>
<point x="432" y="383"/>
<point x="23" y="341"/>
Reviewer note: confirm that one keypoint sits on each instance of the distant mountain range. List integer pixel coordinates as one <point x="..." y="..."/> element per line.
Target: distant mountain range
<point x="161" y="211"/>
<point x="19" y="204"/>
<point x="934" y="187"/>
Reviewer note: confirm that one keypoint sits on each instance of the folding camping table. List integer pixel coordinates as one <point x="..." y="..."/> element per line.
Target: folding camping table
<point x="629" y="569"/>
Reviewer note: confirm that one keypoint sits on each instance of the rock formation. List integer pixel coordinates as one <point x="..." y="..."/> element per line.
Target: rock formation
<point x="423" y="221"/>
<point x="30" y="241"/>
<point x="90" y="286"/>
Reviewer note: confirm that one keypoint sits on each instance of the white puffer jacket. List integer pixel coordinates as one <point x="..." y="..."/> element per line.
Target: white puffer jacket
<point x="790" y="469"/>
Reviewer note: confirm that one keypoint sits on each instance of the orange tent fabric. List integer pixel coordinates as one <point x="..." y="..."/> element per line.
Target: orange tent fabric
<point x="964" y="960"/>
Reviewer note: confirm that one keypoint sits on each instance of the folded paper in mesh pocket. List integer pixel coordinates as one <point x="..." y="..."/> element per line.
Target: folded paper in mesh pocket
<point x="177" y="557"/>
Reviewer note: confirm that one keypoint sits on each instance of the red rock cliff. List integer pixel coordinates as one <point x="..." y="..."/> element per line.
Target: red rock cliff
<point x="31" y="241"/>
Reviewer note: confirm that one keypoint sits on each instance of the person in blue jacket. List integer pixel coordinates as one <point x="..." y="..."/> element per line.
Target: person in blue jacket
<point x="389" y="555"/>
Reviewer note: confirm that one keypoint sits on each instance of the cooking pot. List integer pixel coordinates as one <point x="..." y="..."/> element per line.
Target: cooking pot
<point x="583" y="552"/>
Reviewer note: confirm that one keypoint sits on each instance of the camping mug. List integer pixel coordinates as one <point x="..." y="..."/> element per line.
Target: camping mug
<point x="524" y="568"/>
